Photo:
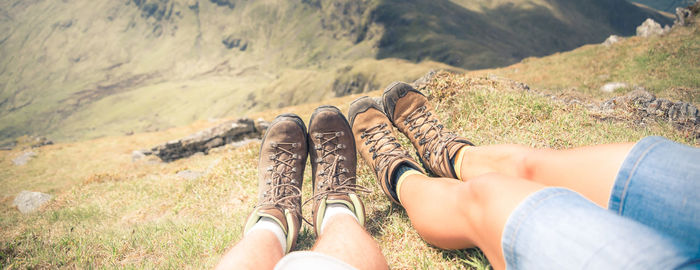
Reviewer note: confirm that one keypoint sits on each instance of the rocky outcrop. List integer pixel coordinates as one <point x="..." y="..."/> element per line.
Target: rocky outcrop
<point x="683" y="17"/>
<point x="612" y="39"/>
<point x="206" y="140"/>
<point x="28" y="201"/>
<point x="645" y="106"/>
<point x="651" y="28"/>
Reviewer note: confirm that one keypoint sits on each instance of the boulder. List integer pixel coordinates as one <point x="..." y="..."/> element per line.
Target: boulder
<point x="205" y="140"/>
<point x="612" y="39"/>
<point x="650" y="28"/>
<point x="23" y="158"/>
<point x="28" y="201"/>
<point x="683" y="17"/>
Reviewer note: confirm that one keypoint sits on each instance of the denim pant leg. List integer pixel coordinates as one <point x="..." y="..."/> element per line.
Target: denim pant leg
<point x="658" y="185"/>
<point x="556" y="228"/>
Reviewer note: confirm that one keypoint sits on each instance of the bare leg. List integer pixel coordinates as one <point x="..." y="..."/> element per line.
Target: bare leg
<point x="590" y="170"/>
<point x="453" y="215"/>
<point x="345" y="239"/>
<point x="258" y="250"/>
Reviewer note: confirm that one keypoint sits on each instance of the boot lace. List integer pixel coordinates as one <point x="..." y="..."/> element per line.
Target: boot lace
<point x="333" y="179"/>
<point x="383" y="146"/>
<point x="429" y="132"/>
<point x="283" y="192"/>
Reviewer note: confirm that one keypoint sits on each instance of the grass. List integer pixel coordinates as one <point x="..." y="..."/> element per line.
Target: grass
<point x="667" y="66"/>
<point x="111" y="213"/>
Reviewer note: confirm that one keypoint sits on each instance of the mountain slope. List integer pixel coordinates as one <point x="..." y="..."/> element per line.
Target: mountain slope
<point x="84" y="69"/>
<point x="481" y="34"/>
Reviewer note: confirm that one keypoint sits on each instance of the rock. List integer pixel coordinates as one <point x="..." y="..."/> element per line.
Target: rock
<point x="422" y="81"/>
<point x="28" y="201"/>
<point x="23" y="158"/>
<point x="650" y="28"/>
<point x="612" y="39"/>
<point x="189" y="175"/>
<point x="644" y="105"/>
<point x="137" y="155"/>
<point x="612" y="86"/>
<point x="261" y="126"/>
<point x="203" y="141"/>
<point x="683" y="17"/>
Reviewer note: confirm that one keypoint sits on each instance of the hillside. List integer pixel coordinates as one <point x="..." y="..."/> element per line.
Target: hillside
<point x="668" y="66"/>
<point x="110" y="212"/>
<point x="82" y="69"/>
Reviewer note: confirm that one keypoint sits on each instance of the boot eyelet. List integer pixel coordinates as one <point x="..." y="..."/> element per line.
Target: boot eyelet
<point x="274" y="144"/>
<point x="339" y="133"/>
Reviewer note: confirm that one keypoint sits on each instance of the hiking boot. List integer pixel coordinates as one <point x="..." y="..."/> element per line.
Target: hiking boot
<point x="377" y="143"/>
<point x="409" y="110"/>
<point x="283" y="153"/>
<point x="334" y="163"/>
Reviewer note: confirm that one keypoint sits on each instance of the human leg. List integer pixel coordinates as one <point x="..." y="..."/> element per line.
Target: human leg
<point x="338" y="213"/>
<point x="272" y="227"/>
<point x="452" y="214"/>
<point x="257" y="250"/>
<point x="589" y="170"/>
<point x="464" y="214"/>
<point x="344" y="238"/>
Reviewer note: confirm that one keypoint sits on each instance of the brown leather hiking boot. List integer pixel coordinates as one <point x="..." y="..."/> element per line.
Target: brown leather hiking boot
<point x="334" y="163"/>
<point x="413" y="115"/>
<point x="377" y="143"/>
<point x="281" y="165"/>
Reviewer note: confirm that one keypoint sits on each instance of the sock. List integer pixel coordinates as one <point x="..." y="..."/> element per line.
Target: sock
<point x="402" y="172"/>
<point x="457" y="159"/>
<point x="266" y="223"/>
<point x="336" y="209"/>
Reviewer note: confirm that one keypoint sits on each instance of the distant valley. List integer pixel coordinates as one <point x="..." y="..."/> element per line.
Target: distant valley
<point x="81" y="69"/>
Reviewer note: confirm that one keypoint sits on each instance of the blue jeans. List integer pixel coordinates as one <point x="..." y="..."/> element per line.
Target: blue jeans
<point x="653" y="220"/>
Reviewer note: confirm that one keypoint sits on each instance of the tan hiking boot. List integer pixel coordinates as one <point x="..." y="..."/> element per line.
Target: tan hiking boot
<point x="334" y="163"/>
<point x="283" y="153"/>
<point x="377" y="143"/>
<point x="413" y="115"/>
